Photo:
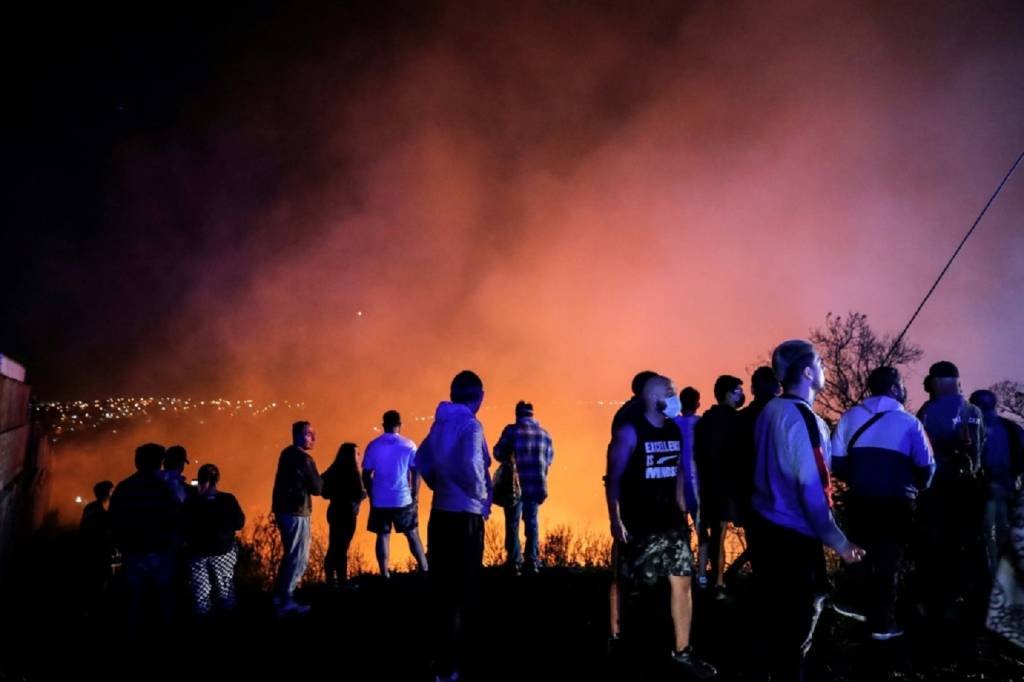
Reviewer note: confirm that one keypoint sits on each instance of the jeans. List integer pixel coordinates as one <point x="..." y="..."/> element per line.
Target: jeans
<point x="997" y="525"/>
<point x="527" y="511"/>
<point x="295" y="545"/>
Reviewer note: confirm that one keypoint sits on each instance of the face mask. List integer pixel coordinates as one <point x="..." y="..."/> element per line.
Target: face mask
<point x="741" y="402"/>
<point x="673" y="406"/>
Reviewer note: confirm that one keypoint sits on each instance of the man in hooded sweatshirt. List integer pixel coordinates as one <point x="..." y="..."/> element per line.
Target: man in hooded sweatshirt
<point x="454" y="461"/>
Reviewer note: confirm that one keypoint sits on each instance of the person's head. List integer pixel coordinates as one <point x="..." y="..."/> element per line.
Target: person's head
<point x="392" y="421"/>
<point x="149" y="456"/>
<point x="729" y="391"/>
<point x="303" y="435"/>
<point x="347" y="456"/>
<point x="208" y="477"/>
<point x="524" y="410"/>
<point x="689" y="399"/>
<point x="798" y="366"/>
<point x="944" y="378"/>
<point x="886" y="381"/>
<point x="175" y="459"/>
<point x="764" y="384"/>
<point x="467" y="389"/>
<point x="640" y="380"/>
<point x="986" y="401"/>
<point x="102" y="490"/>
<point x="659" y="395"/>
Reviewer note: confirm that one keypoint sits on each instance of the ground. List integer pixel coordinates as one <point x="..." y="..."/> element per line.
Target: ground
<point x="550" y="626"/>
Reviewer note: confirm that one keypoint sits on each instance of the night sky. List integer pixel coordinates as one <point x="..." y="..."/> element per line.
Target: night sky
<point x="348" y="203"/>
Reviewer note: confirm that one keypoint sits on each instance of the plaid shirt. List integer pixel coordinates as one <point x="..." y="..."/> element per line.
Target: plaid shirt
<point x="533" y="452"/>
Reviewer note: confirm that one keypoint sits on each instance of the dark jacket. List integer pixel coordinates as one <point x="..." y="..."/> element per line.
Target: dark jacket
<point x="96" y="534"/>
<point x="145" y="514"/>
<point x="296" y="481"/>
<point x="715" y="441"/>
<point x="211" y="522"/>
<point x="344" y="488"/>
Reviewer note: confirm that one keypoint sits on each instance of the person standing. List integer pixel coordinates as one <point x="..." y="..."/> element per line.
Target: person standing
<point x="390" y="477"/>
<point x="528" y="446"/>
<point x="212" y="518"/>
<point x="454" y="460"/>
<point x="343" y="487"/>
<point x="792" y="502"/>
<point x="296" y="481"/>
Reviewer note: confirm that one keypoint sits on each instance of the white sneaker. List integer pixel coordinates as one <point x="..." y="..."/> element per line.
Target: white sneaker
<point x="891" y="632"/>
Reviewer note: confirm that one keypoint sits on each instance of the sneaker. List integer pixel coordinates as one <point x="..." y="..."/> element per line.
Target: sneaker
<point x="531" y="568"/>
<point x="887" y="633"/>
<point x="844" y="609"/>
<point x="689" y="663"/>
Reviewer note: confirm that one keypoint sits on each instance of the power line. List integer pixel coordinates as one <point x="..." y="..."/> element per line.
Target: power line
<point x="963" y="241"/>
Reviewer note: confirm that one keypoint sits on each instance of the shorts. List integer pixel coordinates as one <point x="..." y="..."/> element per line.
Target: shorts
<point x="645" y="559"/>
<point x="404" y="519"/>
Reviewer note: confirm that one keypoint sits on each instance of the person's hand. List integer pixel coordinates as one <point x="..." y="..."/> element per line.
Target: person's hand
<point x="619" y="531"/>
<point x="853" y="554"/>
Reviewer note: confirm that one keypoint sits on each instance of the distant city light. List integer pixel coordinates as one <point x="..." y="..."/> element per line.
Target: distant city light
<point x="78" y="499"/>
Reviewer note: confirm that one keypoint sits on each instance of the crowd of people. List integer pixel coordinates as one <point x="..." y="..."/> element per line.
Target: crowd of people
<point x="943" y="486"/>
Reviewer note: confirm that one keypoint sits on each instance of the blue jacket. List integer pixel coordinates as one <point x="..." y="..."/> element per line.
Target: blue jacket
<point x="892" y="458"/>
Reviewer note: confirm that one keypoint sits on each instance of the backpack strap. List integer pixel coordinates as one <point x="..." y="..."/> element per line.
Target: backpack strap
<point x="819" y="453"/>
<point x="864" y="427"/>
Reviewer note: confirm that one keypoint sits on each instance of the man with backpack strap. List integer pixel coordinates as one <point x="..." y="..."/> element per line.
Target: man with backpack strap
<point x="882" y="453"/>
<point x="951" y="559"/>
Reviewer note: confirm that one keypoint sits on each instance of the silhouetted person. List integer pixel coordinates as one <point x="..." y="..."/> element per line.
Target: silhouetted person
<point x="529" y="445"/>
<point x="634" y="405"/>
<point x="146" y="517"/>
<point x="175" y="459"/>
<point x="883" y="454"/>
<point x="344" y="489"/>
<point x="1006" y="599"/>
<point x="391" y="479"/>
<point x="793" y="505"/>
<point x="296" y="481"/>
<point x="96" y="535"/>
<point x="689" y="399"/>
<point x="715" y="445"/>
<point x="647" y="511"/>
<point x="952" y="564"/>
<point x="454" y="461"/>
<point x="212" y="518"/>
<point x="764" y="386"/>
<point x="1002" y="461"/>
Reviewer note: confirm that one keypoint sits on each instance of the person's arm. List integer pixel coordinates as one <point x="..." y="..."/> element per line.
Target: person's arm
<point x="922" y="459"/>
<point x="314" y="484"/>
<point x="414" y="476"/>
<point x="471" y="469"/>
<point x="237" y="515"/>
<point x="619" y="450"/>
<point x="839" y="442"/>
<point x="424" y="461"/>
<point x="976" y="429"/>
<point x="368" y="481"/>
<point x="505" y="446"/>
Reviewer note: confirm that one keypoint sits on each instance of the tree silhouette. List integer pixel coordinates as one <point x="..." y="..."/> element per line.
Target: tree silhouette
<point x="1011" y="397"/>
<point x="851" y="349"/>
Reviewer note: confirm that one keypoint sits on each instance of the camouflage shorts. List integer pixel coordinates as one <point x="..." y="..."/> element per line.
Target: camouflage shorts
<point x="646" y="558"/>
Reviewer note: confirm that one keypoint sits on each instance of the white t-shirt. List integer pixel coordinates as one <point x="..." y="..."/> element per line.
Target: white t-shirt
<point x="389" y="457"/>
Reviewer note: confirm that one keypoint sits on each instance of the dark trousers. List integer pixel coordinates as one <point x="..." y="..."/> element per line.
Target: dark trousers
<point x="789" y="572"/>
<point x="341" y="521"/>
<point x="455" y="549"/>
<point x="882" y="526"/>
<point x="951" y="561"/>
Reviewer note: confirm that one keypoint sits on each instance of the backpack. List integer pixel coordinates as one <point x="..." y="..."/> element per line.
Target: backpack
<point x="507" y="489"/>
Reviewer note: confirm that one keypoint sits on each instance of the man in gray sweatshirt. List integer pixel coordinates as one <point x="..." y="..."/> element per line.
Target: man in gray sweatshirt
<point x="454" y="461"/>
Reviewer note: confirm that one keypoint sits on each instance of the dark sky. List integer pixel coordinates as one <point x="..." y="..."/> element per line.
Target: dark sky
<point x="193" y="197"/>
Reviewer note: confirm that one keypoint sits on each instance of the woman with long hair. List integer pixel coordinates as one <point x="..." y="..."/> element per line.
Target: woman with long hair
<point x="343" y="486"/>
